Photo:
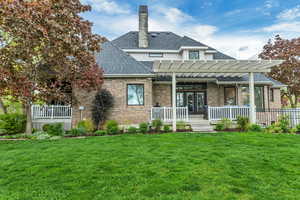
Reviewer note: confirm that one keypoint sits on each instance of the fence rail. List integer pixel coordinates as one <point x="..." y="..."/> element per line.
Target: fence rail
<point x="51" y="112"/>
<point x="166" y="114"/>
<point x="267" y="117"/>
<point x="229" y="112"/>
<point x="264" y="117"/>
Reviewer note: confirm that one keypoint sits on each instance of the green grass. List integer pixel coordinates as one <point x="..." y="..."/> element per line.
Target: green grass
<point x="169" y="166"/>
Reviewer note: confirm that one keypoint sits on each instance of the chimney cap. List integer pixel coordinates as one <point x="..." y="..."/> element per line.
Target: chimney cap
<point x="143" y="9"/>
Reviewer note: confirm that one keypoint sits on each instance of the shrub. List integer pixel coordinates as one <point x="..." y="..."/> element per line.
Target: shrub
<point x="243" y="123"/>
<point x="3" y="131"/>
<point x="100" y="132"/>
<point x="284" y="124"/>
<point x="143" y="127"/>
<point x="293" y="130"/>
<point x="298" y="128"/>
<point x="167" y="128"/>
<point x="220" y="127"/>
<point x="86" y="124"/>
<point x="255" y="128"/>
<point x="132" y="129"/>
<point x="102" y="103"/>
<point x="13" y="123"/>
<point x="112" y="127"/>
<point x="55" y="129"/>
<point x="274" y="128"/>
<point x="157" y="124"/>
<point x="227" y="123"/>
<point x="45" y="127"/>
<point x="181" y="125"/>
<point x="77" y="132"/>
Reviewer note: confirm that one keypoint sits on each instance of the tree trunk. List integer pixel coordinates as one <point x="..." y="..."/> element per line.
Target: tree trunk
<point x="28" y="119"/>
<point x="3" y="107"/>
<point x="290" y="98"/>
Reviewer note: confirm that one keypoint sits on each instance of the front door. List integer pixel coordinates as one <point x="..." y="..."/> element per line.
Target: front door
<point x="195" y="101"/>
<point x="190" y="102"/>
<point x="200" y="102"/>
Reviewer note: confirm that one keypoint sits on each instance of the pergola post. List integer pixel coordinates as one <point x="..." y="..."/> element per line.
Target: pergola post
<point x="252" y="99"/>
<point x="174" y="101"/>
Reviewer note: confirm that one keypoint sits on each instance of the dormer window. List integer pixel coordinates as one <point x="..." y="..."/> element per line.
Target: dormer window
<point x="194" y="55"/>
<point x="156" y="55"/>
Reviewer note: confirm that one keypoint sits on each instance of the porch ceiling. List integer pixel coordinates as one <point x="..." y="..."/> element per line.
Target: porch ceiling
<point x="213" y="68"/>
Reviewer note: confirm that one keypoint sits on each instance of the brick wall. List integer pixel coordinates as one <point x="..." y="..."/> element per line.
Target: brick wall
<point x="277" y="99"/>
<point x="121" y="112"/>
<point x="162" y="94"/>
<point x="215" y="95"/>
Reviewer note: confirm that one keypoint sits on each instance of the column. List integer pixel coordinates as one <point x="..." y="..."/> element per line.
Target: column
<point x="252" y="99"/>
<point x="174" y="101"/>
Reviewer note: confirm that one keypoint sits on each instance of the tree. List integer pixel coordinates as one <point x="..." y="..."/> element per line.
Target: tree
<point x="46" y="47"/>
<point x="102" y="103"/>
<point x="288" y="72"/>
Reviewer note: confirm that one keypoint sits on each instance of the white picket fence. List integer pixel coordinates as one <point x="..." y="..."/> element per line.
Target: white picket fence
<point x="51" y="112"/>
<point x="46" y="114"/>
<point x="264" y="117"/>
<point x="229" y="112"/>
<point x="166" y="114"/>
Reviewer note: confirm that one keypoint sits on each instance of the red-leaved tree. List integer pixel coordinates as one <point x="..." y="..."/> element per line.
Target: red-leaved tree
<point x="46" y="47"/>
<point x="288" y="72"/>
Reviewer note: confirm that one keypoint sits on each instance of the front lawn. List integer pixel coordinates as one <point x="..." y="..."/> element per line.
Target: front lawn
<point x="168" y="166"/>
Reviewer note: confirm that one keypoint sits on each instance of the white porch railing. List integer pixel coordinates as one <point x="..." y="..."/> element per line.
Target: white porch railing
<point x="166" y="114"/>
<point x="229" y="112"/>
<point x="51" y="112"/>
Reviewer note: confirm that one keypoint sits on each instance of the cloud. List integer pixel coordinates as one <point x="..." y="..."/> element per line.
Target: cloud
<point x="290" y="14"/>
<point x="107" y="6"/>
<point x="284" y="27"/>
<point x="233" y="12"/>
<point x="267" y="7"/>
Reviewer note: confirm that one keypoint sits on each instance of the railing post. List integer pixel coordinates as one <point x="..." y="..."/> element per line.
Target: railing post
<point x="187" y="114"/>
<point x="165" y="119"/>
<point x="230" y="113"/>
<point x="208" y="113"/>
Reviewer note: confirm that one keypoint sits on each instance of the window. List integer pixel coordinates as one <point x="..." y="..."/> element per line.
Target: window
<point x="135" y="94"/>
<point x="230" y="96"/>
<point x="194" y="55"/>
<point x="157" y="55"/>
<point x="259" y="96"/>
<point x="272" y="94"/>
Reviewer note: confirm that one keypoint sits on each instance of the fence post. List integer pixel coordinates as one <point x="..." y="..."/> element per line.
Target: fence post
<point x="52" y="114"/>
<point x="230" y="113"/>
<point x="208" y="113"/>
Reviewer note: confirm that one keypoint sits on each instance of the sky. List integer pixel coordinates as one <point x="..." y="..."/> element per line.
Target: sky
<point x="239" y="28"/>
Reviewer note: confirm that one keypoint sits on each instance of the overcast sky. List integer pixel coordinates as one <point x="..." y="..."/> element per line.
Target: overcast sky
<point x="238" y="28"/>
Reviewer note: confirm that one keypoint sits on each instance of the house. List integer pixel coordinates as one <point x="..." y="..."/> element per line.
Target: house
<point x="157" y="74"/>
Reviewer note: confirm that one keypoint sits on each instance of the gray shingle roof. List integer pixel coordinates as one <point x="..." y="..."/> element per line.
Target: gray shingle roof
<point x="115" y="61"/>
<point x="162" y="41"/>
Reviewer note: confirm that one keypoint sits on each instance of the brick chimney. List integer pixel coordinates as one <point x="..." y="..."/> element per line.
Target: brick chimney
<point x="143" y="27"/>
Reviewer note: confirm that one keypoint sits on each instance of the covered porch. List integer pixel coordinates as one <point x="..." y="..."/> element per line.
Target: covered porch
<point x="191" y="88"/>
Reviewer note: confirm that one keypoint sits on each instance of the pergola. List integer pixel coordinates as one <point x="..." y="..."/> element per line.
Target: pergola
<point x="214" y="68"/>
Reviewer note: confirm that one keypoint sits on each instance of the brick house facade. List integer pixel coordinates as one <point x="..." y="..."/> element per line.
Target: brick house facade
<point x="130" y="58"/>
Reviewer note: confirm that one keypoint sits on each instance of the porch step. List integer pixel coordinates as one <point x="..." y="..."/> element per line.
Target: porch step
<point x="200" y="125"/>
